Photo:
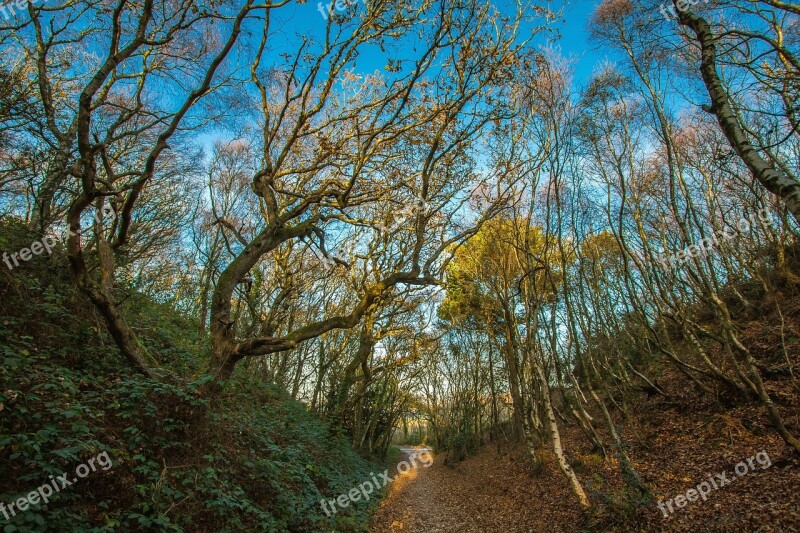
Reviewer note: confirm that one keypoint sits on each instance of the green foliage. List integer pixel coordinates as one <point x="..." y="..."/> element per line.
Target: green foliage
<point x="461" y="442"/>
<point x="254" y="460"/>
<point x="620" y="507"/>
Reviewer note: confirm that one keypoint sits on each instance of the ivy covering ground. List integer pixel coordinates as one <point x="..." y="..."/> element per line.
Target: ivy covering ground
<point x="254" y="460"/>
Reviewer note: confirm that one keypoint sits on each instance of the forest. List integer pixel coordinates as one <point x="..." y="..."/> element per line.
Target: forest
<point x="538" y="260"/>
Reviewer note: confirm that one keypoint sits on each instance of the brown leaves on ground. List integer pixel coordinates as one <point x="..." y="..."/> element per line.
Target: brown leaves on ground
<point x="675" y="444"/>
<point x="492" y="491"/>
<point x="679" y="443"/>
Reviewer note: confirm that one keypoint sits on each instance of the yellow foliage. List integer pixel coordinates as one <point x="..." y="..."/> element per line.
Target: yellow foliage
<point x="505" y="257"/>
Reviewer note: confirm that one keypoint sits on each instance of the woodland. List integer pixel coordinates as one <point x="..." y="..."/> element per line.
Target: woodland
<point x="254" y="251"/>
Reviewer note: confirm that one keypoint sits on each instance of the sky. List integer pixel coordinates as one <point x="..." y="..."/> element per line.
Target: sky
<point x="575" y="41"/>
<point x="306" y="18"/>
<point x="298" y="20"/>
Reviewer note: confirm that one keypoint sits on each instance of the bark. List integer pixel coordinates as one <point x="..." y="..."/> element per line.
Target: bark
<point x="42" y="215"/>
<point x="493" y="391"/>
<point x="365" y="348"/>
<point x="516" y="396"/>
<point x="509" y="350"/>
<point x="772" y="179"/>
<point x="629" y="474"/>
<point x="766" y="400"/>
<point x="225" y="350"/>
<point x="555" y="435"/>
<point x="126" y="340"/>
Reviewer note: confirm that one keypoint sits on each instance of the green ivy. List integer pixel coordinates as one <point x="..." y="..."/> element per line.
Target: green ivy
<point x="254" y="460"/>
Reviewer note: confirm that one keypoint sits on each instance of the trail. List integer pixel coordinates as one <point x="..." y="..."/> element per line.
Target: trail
<point x="419" y="501"/>
<point x="480" y="494"/>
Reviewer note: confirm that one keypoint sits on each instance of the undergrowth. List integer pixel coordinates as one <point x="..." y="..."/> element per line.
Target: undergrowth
<point x="251" y="460"/>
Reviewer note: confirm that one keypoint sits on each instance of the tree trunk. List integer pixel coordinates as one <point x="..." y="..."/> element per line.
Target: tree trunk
<point x="577" y="489"/>
<point x="772" y="179"/>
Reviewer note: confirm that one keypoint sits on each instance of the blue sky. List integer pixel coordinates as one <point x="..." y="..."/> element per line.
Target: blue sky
<point x="305" y="18"/>
<point x="297" y="20"/>
<point x="575" y="41"/>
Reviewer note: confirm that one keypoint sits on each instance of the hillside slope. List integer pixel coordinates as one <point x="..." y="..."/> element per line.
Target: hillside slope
<point x="157" y="455"/>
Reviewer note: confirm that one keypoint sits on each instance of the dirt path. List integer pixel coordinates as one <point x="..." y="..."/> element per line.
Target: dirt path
<point x="480" y="494"/>
<point x="498" y="493"/>
<point x="419" y="501"/>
